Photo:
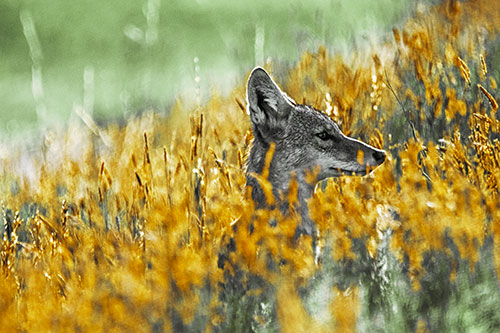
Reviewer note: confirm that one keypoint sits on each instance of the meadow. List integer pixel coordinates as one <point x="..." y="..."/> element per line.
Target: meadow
<point x="127" y="56"/>
<point x="146" y="224"/>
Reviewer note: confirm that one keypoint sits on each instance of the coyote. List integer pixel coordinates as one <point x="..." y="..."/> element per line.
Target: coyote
<point x="305" y="141"/>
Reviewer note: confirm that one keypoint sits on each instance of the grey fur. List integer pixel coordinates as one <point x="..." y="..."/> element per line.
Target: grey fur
<point x="304" y="139"/>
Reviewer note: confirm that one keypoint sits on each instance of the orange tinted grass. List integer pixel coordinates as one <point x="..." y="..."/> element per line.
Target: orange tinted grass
<point x="125" y="236"/>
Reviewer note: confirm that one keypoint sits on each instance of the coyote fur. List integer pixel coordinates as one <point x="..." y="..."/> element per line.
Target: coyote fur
<point x="305" y="141"/>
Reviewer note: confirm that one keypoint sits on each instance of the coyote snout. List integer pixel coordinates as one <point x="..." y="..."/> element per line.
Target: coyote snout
<point x="306" y="141"/>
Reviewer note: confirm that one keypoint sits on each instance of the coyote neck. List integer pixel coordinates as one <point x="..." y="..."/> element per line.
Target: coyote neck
<point x="280" y="182"/>
<point x="306" y="140"/>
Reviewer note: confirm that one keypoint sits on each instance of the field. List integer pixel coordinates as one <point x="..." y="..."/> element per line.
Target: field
<point x="126" y="56"/>
<point x="146" y="224"/>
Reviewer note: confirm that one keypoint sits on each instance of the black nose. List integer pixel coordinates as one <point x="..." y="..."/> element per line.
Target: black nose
<point x="379" y="156"/>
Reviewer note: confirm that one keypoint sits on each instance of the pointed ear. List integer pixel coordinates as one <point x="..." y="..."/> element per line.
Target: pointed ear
<point x="268" y="106"/>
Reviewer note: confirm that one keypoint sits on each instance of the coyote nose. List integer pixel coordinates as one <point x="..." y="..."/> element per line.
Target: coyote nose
<point x="379" y="156"/>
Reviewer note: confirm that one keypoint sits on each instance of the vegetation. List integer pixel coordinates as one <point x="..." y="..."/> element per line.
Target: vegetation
<point x="131" y="55"/>
<point x="148" y="225"/>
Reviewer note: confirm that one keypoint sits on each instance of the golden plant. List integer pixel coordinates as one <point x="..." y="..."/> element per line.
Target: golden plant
<point x="149" y="225"/>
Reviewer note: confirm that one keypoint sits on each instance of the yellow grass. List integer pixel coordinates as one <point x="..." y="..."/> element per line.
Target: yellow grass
<point x="125" y="230"/>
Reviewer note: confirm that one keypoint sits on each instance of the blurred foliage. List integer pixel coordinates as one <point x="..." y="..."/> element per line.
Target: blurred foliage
<point x="140" y="54"/>
<point x="147" y="225"/>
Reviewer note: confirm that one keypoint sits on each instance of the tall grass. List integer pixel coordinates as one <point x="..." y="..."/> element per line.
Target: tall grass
<point x="148" y="225"/>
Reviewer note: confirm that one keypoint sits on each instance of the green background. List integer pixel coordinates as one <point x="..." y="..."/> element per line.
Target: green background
<point x="120" y="57"/>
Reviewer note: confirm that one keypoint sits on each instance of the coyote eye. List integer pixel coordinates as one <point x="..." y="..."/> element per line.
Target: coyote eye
<point x="323" y="135"/>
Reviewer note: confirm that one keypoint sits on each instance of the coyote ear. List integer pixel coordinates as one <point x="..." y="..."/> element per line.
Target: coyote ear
<point x="268" y="106"/>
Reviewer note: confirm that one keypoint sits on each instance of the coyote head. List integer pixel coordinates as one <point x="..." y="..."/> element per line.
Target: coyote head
<point x="305" y="139"/>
